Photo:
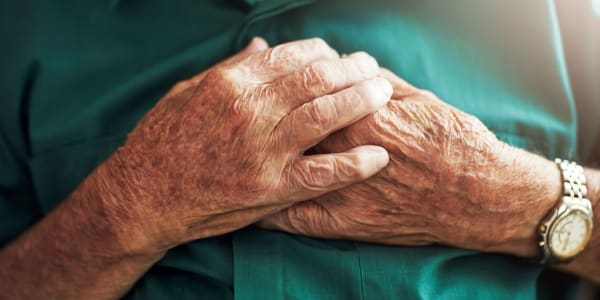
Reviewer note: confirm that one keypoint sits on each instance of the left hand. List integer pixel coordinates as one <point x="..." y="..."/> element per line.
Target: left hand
<point x="449" y="181"/>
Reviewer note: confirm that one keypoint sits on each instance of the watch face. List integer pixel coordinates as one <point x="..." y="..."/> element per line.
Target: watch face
<point x="570" y="234"/>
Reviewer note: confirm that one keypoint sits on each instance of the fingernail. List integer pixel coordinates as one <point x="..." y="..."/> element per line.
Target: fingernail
<point x="379" y="155"/>
<point x="386" y="86"/>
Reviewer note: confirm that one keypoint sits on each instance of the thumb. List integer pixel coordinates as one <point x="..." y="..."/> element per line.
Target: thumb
<point x="315" y="175"/>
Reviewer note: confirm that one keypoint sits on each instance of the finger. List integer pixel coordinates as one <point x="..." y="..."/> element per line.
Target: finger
<point x="401" y="87"/>
<point x="321" y="78"/>
<point x="266" y="66"/>
<point x="405" y="91"/>
<point x="305" y="218"/>
<point x="312" y="122"/>
<point x="312" y="176"/>
<point x="255" y="45"/>
<point x="279" y="221"/>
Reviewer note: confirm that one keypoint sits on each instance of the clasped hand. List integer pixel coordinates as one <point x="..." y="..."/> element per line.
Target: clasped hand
<point x="449" y="181"/>
<point x="226" y="148"/>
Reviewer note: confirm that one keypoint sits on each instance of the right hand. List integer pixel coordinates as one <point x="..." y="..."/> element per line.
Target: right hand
<point x="225" y="148"/>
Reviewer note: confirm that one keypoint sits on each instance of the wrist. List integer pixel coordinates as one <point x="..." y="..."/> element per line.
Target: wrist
<point x="545" y="186"/>
<point x="531" y="187"/>
<point x="87" y="247"/>
<point x="118" y="202"/>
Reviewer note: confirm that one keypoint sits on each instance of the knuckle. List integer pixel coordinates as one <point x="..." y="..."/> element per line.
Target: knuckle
<point x="181" y="86"/>
<point x="472" y="123"/>
<point x="365" y="63"/>
<point x="362" y="55"/>
<point x="318" y="44"/>
<point x="310" y="218"/>
<point x="298" y="218"/>
<point x="314" y="48"/>
<point x="270" y="56"/>
<point x="315" y="175"/>
<point x="316" y="79"/>
<point x="427" y="94"/>
<point x="371" y="93"/>
<point x="321" y="113"/>
<point x="367" y="96"/>
<point x="292" y="51"/>
<point x="352" y="169"/>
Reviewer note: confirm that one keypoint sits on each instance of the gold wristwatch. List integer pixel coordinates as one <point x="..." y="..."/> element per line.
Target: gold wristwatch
<point x="566" y="230"/>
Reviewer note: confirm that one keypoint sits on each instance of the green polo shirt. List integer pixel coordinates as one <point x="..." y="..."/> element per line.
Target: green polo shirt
<point x="76" y="76"/>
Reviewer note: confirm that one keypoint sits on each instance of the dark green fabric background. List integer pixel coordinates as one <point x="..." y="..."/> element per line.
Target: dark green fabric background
<point x="76" y="76"/>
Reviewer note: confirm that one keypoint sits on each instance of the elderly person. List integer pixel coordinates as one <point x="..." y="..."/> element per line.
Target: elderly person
<point x="290" y="171"/>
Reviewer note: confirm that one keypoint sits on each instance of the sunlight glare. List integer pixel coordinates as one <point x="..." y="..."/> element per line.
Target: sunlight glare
<point x="596" y="7"/>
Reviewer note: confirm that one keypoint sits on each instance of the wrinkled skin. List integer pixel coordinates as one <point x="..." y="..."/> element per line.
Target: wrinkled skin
<point x="225" y="148"/>
<point x="447" y="182"/>
<point x="218" y="152"/>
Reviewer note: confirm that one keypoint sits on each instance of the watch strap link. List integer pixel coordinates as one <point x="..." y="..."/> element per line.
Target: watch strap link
<point x="574" y="182"/>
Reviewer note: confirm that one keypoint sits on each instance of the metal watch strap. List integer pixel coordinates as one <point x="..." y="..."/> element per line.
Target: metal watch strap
<point x="574" y="189"/>
<point x="574" y="182"/>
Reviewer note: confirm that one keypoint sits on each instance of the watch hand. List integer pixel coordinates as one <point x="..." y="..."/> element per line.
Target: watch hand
<point x="566" y="244"/>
